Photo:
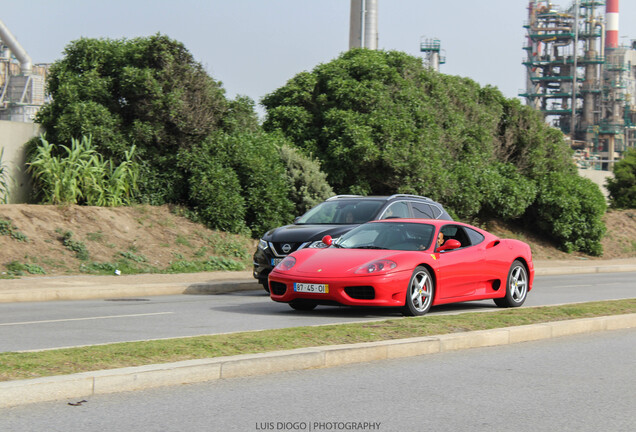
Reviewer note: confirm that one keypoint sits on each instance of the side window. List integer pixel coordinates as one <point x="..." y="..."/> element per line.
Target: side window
<point x="436" y="212"/>
<point x="399" y="209"/>
<point x="474" y="236"/>
<point x="455" y="232"/>
<point x="422" y="211"/>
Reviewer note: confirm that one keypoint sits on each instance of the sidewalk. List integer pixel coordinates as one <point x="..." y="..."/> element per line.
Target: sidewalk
<point x="81" y="287"/>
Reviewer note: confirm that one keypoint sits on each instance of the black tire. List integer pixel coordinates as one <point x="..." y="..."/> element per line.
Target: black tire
<point x="302" y="305"/>
<point x="516" y="286"/>
<point x="265" y="286"/>
<point x="420" y="293"/>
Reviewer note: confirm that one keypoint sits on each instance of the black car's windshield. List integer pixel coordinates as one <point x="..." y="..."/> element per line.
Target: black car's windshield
<point x="342" y="212"/>
<point x="407" y="236"/>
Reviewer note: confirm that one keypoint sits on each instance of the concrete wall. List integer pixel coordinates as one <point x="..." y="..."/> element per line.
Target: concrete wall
<point x="597" y="176"/>
<point x="13" y="139"/>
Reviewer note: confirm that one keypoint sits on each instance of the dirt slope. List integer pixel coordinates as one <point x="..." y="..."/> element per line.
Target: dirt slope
<point x="152" y="238"/>
<point x="144" y="237"/>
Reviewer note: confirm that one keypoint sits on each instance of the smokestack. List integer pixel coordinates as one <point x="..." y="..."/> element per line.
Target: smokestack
<point x="363" y="24"/>
<point x="611" y="27"/>
<point x="355" y="24"/>
<point x="9" y="40"/>
<point x="371" y="24"/>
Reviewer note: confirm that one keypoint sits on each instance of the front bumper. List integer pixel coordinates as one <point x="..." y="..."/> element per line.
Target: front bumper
<point x="388" y="290"/>
<point x="262" y="263"/>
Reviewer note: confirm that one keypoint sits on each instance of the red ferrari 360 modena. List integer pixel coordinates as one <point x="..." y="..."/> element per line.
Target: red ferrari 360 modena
<point x="409" y="263"/>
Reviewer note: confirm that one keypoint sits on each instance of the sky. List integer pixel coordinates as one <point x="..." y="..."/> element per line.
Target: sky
<point x="255" y="46"/>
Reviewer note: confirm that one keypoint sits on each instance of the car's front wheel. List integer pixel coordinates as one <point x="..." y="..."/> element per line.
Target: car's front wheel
<point x="420" y="292"/>
<point x="516" y="286"/>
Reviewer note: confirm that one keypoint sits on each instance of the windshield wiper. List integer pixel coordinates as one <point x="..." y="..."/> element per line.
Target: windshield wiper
<point x="369" y="247"/>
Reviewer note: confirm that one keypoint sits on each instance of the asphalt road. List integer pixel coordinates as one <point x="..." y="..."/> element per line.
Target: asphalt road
<point x="29" y="326"/>
<point x="576" y="383"/>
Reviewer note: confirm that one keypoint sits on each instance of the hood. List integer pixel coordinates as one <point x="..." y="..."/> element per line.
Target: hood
<point x="305" y="233"/>
<point x="335" y="261"/>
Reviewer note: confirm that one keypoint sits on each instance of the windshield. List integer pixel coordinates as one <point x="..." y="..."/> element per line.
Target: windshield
<point x="342" y="212"/>
<point x="407" y="236"/>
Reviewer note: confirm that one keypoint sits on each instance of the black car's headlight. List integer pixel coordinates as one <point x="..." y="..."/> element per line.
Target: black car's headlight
<point x="318" y="244"/>
<point x="262" y="244"/>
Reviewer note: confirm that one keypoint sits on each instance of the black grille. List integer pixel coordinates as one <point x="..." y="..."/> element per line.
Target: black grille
<point x="277" y="288"/>
<point x="278" y="248"/>
<point x="360" y="292"/>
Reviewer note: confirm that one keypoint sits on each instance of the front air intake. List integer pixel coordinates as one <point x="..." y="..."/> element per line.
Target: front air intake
<point x="360" y="292"/>
<point x="277" y="288"/>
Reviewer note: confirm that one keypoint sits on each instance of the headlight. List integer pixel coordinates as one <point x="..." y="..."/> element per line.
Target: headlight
<point x="262" y="244"/>
<point x="286" y="264"/>
<point x="376" y="266"/>
<point x="318" y="244"/>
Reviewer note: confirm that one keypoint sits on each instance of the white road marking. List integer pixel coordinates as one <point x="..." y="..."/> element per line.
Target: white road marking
<point x="84" y="319"/>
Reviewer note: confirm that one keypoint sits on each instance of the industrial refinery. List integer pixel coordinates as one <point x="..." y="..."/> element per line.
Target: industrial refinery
<point x="21" y="82"/>
<point x="580" y="77"/>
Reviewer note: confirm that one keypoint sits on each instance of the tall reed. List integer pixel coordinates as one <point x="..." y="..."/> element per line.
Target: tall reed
<point x="4" y="180"/>
<point x="82" y="176"/>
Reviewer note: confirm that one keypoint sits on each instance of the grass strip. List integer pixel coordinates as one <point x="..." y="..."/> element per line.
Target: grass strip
<point x="24" y="365"/>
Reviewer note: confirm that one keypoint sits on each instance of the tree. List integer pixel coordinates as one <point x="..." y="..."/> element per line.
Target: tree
<point x="148" y="92"/>
<point x="622" y="188"/>
<point x="382" y="123"/>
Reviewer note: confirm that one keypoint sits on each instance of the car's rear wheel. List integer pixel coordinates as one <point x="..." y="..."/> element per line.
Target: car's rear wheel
<point x="516" y="286"/>
<point x="419" y="295"/>
<point x="302" y="305"/>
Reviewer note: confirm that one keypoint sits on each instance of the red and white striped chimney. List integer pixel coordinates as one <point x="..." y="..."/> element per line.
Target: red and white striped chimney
<point x="611" y="26"/>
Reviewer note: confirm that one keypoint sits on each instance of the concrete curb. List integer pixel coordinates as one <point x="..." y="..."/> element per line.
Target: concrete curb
<point x="115" y="290"/>
<point x="83" y="385"/>
<point x="584" y="269"/>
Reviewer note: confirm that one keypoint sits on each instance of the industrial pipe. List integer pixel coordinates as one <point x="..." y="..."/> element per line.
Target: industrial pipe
<point x="9" y="40"/>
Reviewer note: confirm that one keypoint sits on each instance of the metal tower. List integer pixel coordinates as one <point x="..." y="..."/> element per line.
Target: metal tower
<point x="578" y="76"/>
<point x="433" y="51"/>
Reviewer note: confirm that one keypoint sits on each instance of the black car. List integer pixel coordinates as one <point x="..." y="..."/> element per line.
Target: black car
<point x="334" y="217"/>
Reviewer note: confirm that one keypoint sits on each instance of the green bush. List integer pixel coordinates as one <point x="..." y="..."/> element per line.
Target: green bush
<point x="505" y="192"/>
<point x="622" y="188"/>
<point x="77" y="246"/>
<point x="255" y="159"/>
<point x="569" y="208"/>
<point x="8" y="229"/>
<point x="237" y="182"/>
<point x="308" y="184"/>
<point x="16" y="268"/>
<point x="215" y="195"/>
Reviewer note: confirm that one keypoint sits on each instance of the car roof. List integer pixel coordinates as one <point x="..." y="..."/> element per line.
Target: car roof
<point x="380" y="197"/>
<point x="436" y="222"/>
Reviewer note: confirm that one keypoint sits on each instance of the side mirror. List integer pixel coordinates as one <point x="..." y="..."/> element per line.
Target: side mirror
<point x="327" y="240"/>
<point x="449" y="245"/>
